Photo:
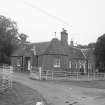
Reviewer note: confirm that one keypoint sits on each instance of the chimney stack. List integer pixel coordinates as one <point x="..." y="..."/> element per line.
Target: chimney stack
<point x="64" y="37"/>
<point x="71" y="43"/>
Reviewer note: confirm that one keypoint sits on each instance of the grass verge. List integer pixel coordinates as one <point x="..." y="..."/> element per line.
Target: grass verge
<point x="21" y="95"/>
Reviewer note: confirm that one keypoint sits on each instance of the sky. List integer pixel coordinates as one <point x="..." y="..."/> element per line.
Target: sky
<point x="84" y="20"/>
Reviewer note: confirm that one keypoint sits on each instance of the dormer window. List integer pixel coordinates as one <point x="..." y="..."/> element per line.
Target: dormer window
<point x="56" y="62"/>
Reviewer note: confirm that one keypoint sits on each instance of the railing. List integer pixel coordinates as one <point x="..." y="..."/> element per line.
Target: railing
<point x="39" y="73"/>
<point x="78" y="76"/>
<point x="5" y="78"/>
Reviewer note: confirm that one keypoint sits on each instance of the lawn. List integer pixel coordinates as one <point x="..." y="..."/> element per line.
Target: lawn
<point x="21" y="95"/>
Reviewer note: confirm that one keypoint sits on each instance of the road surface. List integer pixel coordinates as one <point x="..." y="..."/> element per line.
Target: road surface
<point x="59" y="94"/>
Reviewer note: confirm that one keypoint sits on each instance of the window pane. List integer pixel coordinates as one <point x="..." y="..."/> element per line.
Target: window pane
<point x="56" y="62"/>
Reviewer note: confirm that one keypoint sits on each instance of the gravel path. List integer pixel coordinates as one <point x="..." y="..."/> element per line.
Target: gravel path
<point x="58" y="94"/>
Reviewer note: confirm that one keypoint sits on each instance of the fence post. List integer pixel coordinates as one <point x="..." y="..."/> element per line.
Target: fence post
<point x="77" y="76"/>
<point x="88" y="76"/>
<point x="11" y="71"/>
<point x="52" y="75"/>
<point x="46" y="74"/>
<point x="40" y="71"/>
<point x="65" y="75"/>
<point x="70" y="75"/>
<point x="94" y="76"/>
<point x="4" y="78"/>
<point x="104" y="75"/>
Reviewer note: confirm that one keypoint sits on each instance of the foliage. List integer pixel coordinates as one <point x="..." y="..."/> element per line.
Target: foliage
<point x="100" y="53"/>
<point x="23" y="39"/>
<point x="10" y="39"/>
<point x="91" y="45"/>
<point x="82" y="46"/>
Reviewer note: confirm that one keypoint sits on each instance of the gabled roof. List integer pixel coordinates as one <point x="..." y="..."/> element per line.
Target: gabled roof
<point x="75" y="53"/>
<point x="88" y="53"/>
<point x="55" y="47"/>
<point x="85" y="52"/>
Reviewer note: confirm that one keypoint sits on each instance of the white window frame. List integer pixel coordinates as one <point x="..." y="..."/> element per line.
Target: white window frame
<point x="80" y="64"/>
<point x="56" y="62"/>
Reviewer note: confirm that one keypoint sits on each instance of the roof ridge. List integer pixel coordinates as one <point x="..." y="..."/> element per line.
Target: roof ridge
<point x="76" y="48"/>
<point x="40" y="42"/>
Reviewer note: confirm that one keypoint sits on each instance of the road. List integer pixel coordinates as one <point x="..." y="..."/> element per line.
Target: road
<point x="59" y="94"/>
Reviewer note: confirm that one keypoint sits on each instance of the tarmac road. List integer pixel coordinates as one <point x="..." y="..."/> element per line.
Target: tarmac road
<point x="59" y="94"/>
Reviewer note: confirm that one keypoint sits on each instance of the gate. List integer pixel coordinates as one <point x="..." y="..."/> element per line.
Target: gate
<point x="5" y="78"/>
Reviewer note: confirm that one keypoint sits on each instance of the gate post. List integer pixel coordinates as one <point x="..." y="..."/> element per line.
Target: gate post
<point x="88" y="76"/>
<point x="40" y="71"/>
<point x="52" y="75"/>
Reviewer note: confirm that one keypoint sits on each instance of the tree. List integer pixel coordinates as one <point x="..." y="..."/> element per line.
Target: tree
<point x="9" y="38"/>
<point x="23" y="39"/>
<point x="99" y="53"/>
<point x="91" y="45"/>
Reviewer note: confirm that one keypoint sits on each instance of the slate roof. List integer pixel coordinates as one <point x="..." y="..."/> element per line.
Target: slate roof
<point x="52" y="47"/>
<point x="55" y="47"/>
<point x="40" y="47"/>
<point x="75" y="53"/>
<point x="22" y="52"/>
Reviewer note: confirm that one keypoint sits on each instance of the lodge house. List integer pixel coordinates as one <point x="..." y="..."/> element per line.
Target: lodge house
<point x="54" y="55"/>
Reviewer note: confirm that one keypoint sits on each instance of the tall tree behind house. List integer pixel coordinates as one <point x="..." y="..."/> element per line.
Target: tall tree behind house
<point x="10" y="39"/>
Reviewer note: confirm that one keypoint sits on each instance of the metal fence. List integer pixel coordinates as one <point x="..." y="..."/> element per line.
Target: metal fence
<point x="66" y="75"/>
<point x="5" y="78"/>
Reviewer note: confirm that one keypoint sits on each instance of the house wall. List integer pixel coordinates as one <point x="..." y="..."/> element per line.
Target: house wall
<point x="64" y="62"/>
<point x="21" y="63"/>
<point x="35" y="61"/>
<point x="47" y="62"/>
<point x="77" y="65"/>
<point x="91" y="66"/>
<point x="16" y="62"/>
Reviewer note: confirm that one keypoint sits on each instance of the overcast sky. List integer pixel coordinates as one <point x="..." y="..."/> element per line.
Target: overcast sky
<point x="39" y="19"/>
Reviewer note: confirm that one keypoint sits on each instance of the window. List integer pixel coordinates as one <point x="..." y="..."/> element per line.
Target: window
<point x="70" y="64"/>
<point x="80" y="64"/>
<point x="57" y="62"/>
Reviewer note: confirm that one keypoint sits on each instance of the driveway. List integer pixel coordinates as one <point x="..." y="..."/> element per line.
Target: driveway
<point x="59" y="94"/>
